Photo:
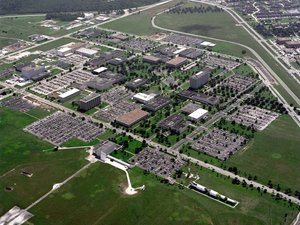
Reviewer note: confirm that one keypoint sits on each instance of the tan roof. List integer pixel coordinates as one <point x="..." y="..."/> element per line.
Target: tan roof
<point x="177" y="60"/>
<point x="151" y="57"/>
<point x="132" y="117"/>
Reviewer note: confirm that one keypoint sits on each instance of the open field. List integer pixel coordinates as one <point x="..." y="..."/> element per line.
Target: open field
<point x="49" y="168"/>
<point x="6" y="41"/>
<point x="53" y="44"/>
<point x="140" y="24"/>
<point x="22" y="151"/>
<point x="222" y="25"/>
<point x="17" y="146"/>
<point x="273" y="154"/>
<point x="84" y="201"/>
<point x="22" y="27"/>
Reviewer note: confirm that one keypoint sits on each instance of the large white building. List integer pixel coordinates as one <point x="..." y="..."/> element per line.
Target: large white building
<point x="86" y="52"/>
<point x="69" y="94"/>
<point x="143" y="98"/>
<point x="198" y="114"/>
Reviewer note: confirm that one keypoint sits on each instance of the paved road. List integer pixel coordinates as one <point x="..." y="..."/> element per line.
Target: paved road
<point x="92" y="26"/>
<point x="260" y="40"/>
<point x="265" y="65"/>
<point x="154" y="144"/>
<point x="57" y="186"/>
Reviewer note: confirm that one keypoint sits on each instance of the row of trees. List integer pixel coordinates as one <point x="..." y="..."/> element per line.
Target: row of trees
<point x="47" y="6"/>
<point x="196" y="9"/>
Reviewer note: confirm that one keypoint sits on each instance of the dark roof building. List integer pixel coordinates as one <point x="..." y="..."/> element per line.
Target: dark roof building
<point x="157" y="103"/>
<point x="134" y="84"/>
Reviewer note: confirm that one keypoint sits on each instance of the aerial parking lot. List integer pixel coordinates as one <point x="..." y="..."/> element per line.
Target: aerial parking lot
<point x="168" y="113"/>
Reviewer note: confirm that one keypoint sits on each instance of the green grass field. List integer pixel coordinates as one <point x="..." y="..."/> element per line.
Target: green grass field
<point x="22" y="151"/>
<point x="6" y="41"/>
<point x="53" y="44"/>
<point x="96" y="197"/>
<point x="223" y="26"/>
<point x="22" y="27"/>
<point x="16" y="145"/>
<point x="273" y="154"/>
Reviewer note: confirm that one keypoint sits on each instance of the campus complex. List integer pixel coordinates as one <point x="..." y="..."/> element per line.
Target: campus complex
<point x="164" y="104"/>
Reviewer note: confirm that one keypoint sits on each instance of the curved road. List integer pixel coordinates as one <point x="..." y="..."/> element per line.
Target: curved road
<point x="261" y="61"/>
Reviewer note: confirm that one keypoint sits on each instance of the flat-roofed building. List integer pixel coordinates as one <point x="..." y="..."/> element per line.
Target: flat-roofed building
<point x="89" y="101"/>
<point x="131" y="118"/>
<point x="198" y="114"/>
<point x="151" y="59"/>
<point x="157" y="103"/>
<point x="69" y="94"/>
<point x="176" y="62"/>
<point x="282" y="40"/>
<point x="136" y="83"/>
<point x="99" y="70"/>
<point x="199" y="79"/>
<point x="64" y="51"/>
<point x="87" y="52"/>
<point x="292" y="44"/>
<point x="143" y="98"/>
<point x="189" y="108"/>
<point x="33" y="72"/>
<point x="102" y="150"/>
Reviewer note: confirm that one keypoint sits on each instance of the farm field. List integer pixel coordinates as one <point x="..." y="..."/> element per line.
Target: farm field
<point x="158" y="204"/>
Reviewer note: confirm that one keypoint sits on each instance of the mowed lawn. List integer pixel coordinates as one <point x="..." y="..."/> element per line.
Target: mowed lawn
<point x="17" y="146"/>
<point x="21" y="151"/>
<point x="274" y="154"/>
<point x="140" y="22"/>
<point x="96" y="197"/>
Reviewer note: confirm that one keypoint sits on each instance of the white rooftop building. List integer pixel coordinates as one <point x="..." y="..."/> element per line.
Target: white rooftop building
<point x="65" y="96"/>
<point x="143" y="98"/>
<point x="100" y="70"/>
<point x="86" y="52"/>
<point x="198" y="114"/>
<point x="64" y="51"/>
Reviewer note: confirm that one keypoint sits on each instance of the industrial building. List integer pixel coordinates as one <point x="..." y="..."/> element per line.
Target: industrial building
<point x="151" y="59"/>
<point x="199" y="79"/>
<point x="86" y="52"/>
<point x="68" y="94"/>
<point x="134" y="84"/>
<point x="64" y="51"/>
<point x="131" y="118"/>
<point x="199" y="97"/>
<point x="175" y="123"/>
<point x="176" y="62"/>
<point x="99" y="70"/>
<point x="198" y="114"/>
<point x="99" y="84"/>
<point x="102" y="150"/>
<point x="157" y="103"/>
<point x="89" y="101"/>
<point x="292" y="44"/>
<point x="35" y="73"/>
<point x="143" y="98"/>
